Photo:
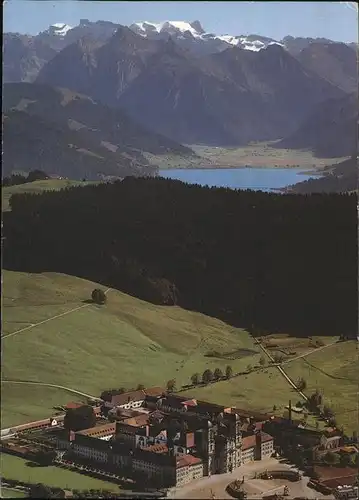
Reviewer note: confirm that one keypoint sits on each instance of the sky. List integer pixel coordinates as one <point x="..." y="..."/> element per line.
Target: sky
<point x="334" y="20"/>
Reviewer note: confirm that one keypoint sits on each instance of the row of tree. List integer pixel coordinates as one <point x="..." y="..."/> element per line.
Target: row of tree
<point x="16" y="179"/>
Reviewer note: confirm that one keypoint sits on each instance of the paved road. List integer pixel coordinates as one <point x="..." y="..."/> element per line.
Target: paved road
<point x="49" y="319"/>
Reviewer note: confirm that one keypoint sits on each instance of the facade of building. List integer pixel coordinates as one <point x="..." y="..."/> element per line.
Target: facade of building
<point x="257" y="447"/>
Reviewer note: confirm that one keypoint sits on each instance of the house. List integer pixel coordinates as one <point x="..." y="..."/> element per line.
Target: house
<point x="258" y="446"/>
<point x="133" y="399"/>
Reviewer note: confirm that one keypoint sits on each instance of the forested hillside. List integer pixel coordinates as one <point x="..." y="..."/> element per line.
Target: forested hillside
<point x="266" y="261"/>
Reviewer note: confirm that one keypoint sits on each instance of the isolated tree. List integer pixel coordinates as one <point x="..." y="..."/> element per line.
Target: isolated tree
<point x="207" y="376"/>
<point x="195" y="379"/>
<point x="249" y="368"/>
<point x="274" y="408"/>
<point x="278" y="358"/>
<point x="316" y="399"/>
<point x="98" y="296"/>
<point x="328" y="412"/>
<point x="301" y="384"/>
<point x="218" y="374"/>
<point x="77" y="419"/>
<point x="229" y="371"/>
<point x="40" y="491"/>
<point x="171" y="385"/>
<point x="262" y="361"/>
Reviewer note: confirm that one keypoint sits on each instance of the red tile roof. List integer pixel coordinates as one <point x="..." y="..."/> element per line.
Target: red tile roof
<point x="73" y="404"/>
<point x="157" y="448"/>
<point x="99" y="430"/>
<point x="155" y="391"/>
<point x="250" y="441"/>
<point x="187" y="460"/>
<point x="326" y="473"/>
<point x="190" y="402"/>
<point x="340" y="481"/>
<point x="138" y="420"/>
<point x="127" y="397"/>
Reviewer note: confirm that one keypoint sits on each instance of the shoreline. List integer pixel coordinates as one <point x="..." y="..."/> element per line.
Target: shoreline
<point x="316" y="170"/>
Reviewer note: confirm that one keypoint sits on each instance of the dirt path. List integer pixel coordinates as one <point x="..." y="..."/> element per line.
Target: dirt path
<point x="49" y="319"/>
<point x="29" y="382"/>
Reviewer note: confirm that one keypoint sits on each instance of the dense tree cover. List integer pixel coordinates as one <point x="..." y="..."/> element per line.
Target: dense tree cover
<point x="77" y="419"/>
<point x="270" y="262"/>
<point x="15" y="179"/>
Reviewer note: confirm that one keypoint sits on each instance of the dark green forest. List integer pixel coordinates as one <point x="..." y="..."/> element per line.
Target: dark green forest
<point x="268" y="262"/>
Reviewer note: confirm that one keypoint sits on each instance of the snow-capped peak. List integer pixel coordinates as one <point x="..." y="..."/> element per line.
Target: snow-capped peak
<point x="183" y="30"/>
<point x="171" y="27"/>
<point x="58" y="29"/>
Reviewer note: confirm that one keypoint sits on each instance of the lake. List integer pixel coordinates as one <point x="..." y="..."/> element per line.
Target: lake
<point x="258" y="179"/>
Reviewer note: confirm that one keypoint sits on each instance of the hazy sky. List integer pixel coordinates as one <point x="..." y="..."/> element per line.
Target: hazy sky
<point x="333" y="20"/>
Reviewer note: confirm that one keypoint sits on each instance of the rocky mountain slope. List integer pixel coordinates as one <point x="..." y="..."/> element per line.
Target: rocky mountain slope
<point x="340" y="178"/>
<point x="330" y="131"/>
<point x="227" y="98"/>
<point x="36" y="50"/>
<point x="65" y="133"/>
<point x="335" y="62"/>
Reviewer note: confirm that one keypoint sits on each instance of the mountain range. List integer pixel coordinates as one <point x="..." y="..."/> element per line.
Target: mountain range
<point x="69" y="134"/>
<point x="194" y="87"/>
<point x="228" y="98"/>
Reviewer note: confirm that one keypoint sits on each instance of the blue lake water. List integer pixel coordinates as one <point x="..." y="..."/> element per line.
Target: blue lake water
<point x="258" y="179"/>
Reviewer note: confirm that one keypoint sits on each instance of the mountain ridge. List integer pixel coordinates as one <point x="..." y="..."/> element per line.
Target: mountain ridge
<point x="85" y="137"/>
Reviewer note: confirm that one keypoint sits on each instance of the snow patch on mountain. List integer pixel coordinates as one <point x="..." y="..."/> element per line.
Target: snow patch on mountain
<point x="58" y="29"/>
<point x="182" y="29"/>
<point x="145" y="28"/>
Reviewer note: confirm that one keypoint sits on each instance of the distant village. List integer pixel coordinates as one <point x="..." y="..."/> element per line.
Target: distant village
<point x="158" y="440"/>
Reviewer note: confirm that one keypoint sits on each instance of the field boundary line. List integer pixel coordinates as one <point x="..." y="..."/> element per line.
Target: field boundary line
<point x="310" y="352"/>
<point x="49" y="319"/>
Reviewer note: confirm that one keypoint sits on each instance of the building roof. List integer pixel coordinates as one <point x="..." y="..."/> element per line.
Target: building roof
<point x="190" y="402"/>
<point x="99" y="430"/>
<point x="73" y="404"/>
<point x="157" y="448"/>
<point x="340" y="481"/>
<point x="250" y="441"/>
<point x="155" y="391"/>
<point x="138" y="420"/>
<point x="326" y="473"/>
<point x="187" y="460"/>
<point x="260" y="417"/>
<point x="140" y="395"/>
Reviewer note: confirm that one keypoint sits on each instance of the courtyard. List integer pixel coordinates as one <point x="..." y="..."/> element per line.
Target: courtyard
<point x="215" y="486"/>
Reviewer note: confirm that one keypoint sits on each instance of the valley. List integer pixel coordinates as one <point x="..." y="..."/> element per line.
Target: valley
<point x="259" y="155"/>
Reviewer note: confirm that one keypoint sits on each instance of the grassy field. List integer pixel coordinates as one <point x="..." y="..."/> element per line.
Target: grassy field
<point x="11" y="493"/>
<point x="255" y="155"/>
<point x="259" y="391"/>
<point x="334" y="371"/>
<point x="122" y="344"/>
<point x="129" y="342"/>
<point x="38" y="403"/>
<point x="17" y="468"/>
<point x="37" y="187"/>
